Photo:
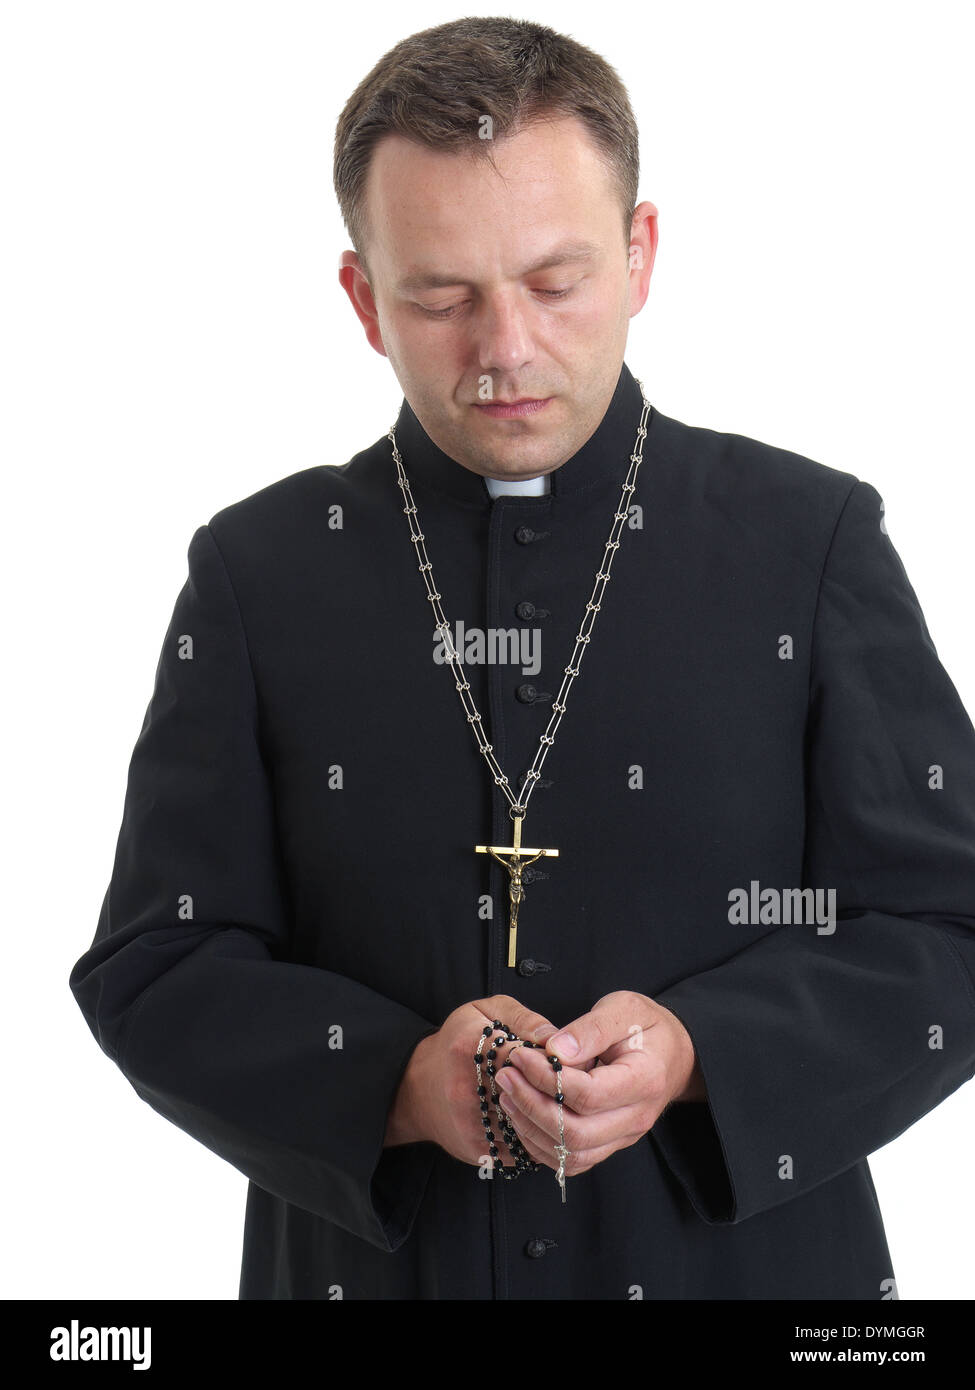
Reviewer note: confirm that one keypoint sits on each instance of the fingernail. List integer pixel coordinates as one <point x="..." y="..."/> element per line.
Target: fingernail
<point x="564" y="1044"/>
<point x="544" y="1032"/>
<point x="503" y="1082"/>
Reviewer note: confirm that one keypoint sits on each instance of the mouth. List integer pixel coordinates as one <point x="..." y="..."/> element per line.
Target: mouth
<point x="510" y="410"/>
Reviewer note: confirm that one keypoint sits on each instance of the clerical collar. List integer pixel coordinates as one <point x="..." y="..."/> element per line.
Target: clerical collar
<point x="520" y="487"/>
<point x="601" y="462"/>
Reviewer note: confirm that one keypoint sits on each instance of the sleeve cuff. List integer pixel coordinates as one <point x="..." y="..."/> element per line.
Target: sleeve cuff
<point x="397" y="1188"/>
<point x="687" y="1137"/>
<point x="401" y="1174"/>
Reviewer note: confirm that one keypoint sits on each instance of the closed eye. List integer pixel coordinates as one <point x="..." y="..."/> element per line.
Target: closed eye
<point x="449" y="312"/>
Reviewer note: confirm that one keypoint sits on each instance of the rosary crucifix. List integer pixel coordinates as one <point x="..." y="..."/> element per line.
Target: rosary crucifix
<point x="515" y="866"/>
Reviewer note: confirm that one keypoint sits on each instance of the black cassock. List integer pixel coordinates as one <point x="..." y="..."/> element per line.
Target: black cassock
<point x="296" y="900"/>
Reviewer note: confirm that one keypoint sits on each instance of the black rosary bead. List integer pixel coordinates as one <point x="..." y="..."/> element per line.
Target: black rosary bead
<point x="522" y="1160"/>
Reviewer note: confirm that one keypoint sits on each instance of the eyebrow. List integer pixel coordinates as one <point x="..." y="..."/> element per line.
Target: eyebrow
<point x="571" y="251"/>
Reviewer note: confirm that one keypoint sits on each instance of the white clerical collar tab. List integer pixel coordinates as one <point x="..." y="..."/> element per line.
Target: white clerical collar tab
<point x="521" y="487"/>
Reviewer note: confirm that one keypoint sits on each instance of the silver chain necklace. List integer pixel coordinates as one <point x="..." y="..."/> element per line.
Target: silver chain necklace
<point x="513" y="857"/>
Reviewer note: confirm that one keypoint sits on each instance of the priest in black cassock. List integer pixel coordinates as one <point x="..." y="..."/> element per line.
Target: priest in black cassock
<point x="540" y="614"/>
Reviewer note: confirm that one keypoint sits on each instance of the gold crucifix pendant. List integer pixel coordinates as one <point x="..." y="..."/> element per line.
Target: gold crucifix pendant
<point x="515" y="867"/>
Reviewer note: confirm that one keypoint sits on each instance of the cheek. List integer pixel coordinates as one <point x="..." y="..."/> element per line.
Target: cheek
<point x="609" y="307"/>
<point x="427" y="346"/>
<point x="593" y="318"/>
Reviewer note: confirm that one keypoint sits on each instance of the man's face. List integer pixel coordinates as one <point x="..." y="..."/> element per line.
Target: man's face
<point x="493" y="284"/>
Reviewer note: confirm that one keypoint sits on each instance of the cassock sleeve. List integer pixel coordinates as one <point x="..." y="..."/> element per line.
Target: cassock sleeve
<point x="188" y="986"/>
<point x="820" y="1048"/>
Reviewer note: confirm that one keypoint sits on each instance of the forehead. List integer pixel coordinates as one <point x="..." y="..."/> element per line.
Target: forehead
<point x="547" y="184"/>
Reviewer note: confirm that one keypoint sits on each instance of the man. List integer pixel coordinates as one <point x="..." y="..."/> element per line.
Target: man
<point x="753" y="951"/>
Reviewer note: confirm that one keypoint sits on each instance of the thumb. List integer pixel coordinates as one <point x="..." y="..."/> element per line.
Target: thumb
<point x="594" y="1033"/>
<point x="523" y="1022"/>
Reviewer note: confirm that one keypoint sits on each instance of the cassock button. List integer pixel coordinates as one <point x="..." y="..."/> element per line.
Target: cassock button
<point x="525" y="610"/>
<point x="537" y="1247"/>
<point x="530" y="967"/>
<point x="525" y="535"/>
<point x="527" y="694"/>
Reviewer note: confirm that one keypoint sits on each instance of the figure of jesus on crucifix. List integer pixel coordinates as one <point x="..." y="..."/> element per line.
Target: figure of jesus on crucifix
<point x="515" y="863"/>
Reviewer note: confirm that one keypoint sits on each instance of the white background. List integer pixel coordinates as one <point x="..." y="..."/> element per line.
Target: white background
<point x="174" y="337"/>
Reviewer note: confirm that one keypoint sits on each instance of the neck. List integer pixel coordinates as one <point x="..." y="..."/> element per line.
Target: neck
<point x="594" y="467"/>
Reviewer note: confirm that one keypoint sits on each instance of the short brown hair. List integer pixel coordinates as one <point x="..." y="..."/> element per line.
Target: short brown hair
<point x="436" y="86"/>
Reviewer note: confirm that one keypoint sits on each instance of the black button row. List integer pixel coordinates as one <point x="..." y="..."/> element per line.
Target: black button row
<point x="537" y="1247"/>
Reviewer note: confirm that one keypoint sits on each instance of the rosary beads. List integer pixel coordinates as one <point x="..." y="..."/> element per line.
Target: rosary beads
<point x="488" y="1094"/>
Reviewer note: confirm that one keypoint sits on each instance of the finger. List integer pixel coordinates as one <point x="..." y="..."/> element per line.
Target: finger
<point x="521" y="1098"/>
<point x="613" y="1018"/>
<point x="586" y="1092"/>
<point x="651" y="1037"/>
<point x="523" y="1022"/>
<point x="538" y="1146"/>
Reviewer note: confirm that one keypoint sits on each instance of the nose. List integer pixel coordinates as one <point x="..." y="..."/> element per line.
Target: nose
<point x="503" y="335"/>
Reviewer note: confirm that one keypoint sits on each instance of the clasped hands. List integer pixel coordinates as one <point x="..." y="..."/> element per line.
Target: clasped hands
<point x="623" y="1063"/>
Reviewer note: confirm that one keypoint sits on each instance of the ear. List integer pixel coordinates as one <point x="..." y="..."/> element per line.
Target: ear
<point x="353" y="280"/>
<point x="643" y="251"/>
